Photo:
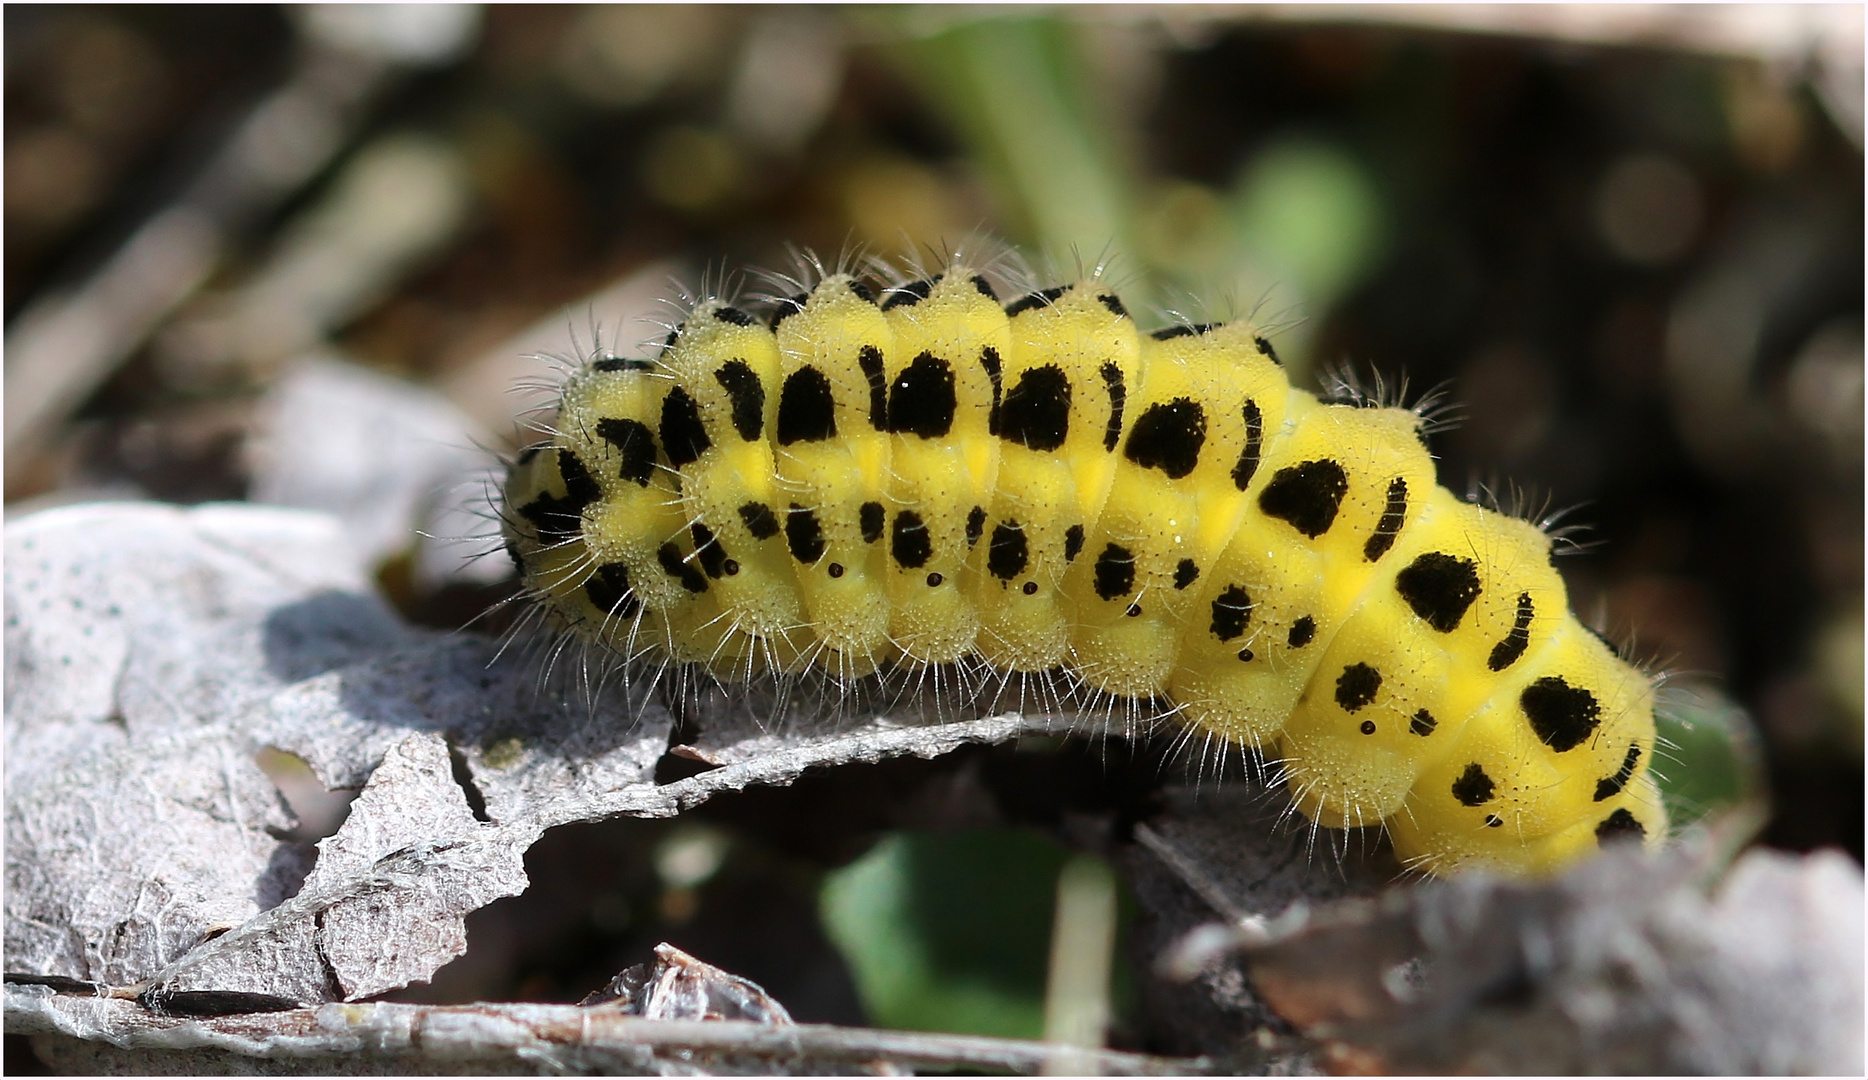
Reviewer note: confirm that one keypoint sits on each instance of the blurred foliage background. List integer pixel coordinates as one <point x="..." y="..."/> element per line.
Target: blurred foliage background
<point x="1629" y="243"/>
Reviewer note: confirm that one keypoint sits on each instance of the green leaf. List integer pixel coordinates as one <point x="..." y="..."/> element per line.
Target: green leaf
<point x="949" y="932"/>
<point x="1709" y="759"/>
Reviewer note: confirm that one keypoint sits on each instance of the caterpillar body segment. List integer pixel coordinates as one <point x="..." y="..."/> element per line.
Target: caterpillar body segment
<point x="724" y="364"/>
<point x="1073" y="354"/>
<point x="1173" y="508"/>
<point x="926" y="479"/>
<point x="832" y="461"/>
<point x="945" y="389"/>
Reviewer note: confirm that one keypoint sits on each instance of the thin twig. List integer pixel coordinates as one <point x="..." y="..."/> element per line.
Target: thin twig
<point x="564" y="1036"/>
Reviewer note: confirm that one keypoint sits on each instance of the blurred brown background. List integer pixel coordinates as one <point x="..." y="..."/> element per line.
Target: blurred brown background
<point x="1628" y="241"/>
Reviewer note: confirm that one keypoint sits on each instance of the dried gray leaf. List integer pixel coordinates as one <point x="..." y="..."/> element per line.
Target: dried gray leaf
<point x="119" y="859"/>
<point x="153" y="652"/>
<point x="1623" y="965"/>
<point x="140" y="617"/>
<point x="136" y="637"/>
<point x="378" y="942"/>
<point x="384" y="903"/>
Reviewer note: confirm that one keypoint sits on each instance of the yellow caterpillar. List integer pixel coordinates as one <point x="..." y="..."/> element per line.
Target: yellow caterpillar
<point x="855" y="484"/>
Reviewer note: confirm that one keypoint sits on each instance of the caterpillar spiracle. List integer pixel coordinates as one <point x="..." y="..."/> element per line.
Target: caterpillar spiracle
<point x="925" y="478"/>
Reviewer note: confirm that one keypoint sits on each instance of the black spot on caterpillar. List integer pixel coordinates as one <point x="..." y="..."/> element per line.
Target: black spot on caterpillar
<point x="1185" y="330"/>
<point x="1185" y="574"/>
<point x="911" y="546"/>
<point x="1118" y="402"/>
<point x="1439" y="587"/>
<point x="684" y="439"/>
<point x="1620" y="825"/>
<point x="1356" y="686"/>
<point x="1390" y="524"/>
<point x="869" y="358"/>
<point x="1164" y="518"/>
<point x="709" y="551"/>
<point x="1247" y="467"/>
<point x="1036" y="414"/>
<point x="870" y="517"/>
<point x="1612" y="786"/>
<point x="1507" y="651"/>
<point x="1473" y="788"/>
<point x="1115" y="572"/>
<point x="759" y="520"/>
<point x="1007" y="552"/>
<point x="669" y="556"/>
<point x="1307" y="495"/>
<point x="635" y="443"/>
<point x="1232" y="610"/>
<point x="806" y="411"/>
<point x="921" y="400"/>
<point x="804" y="535"/>
<point x="608" y="590"/>
<point x="1168" y="437"/>
<point x="912" y="293"/>
<point x="1031" y="301"/>
<point x="1561" y="714"/>
<point x="748" y="398"/>
<point x="557" y="518"/>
